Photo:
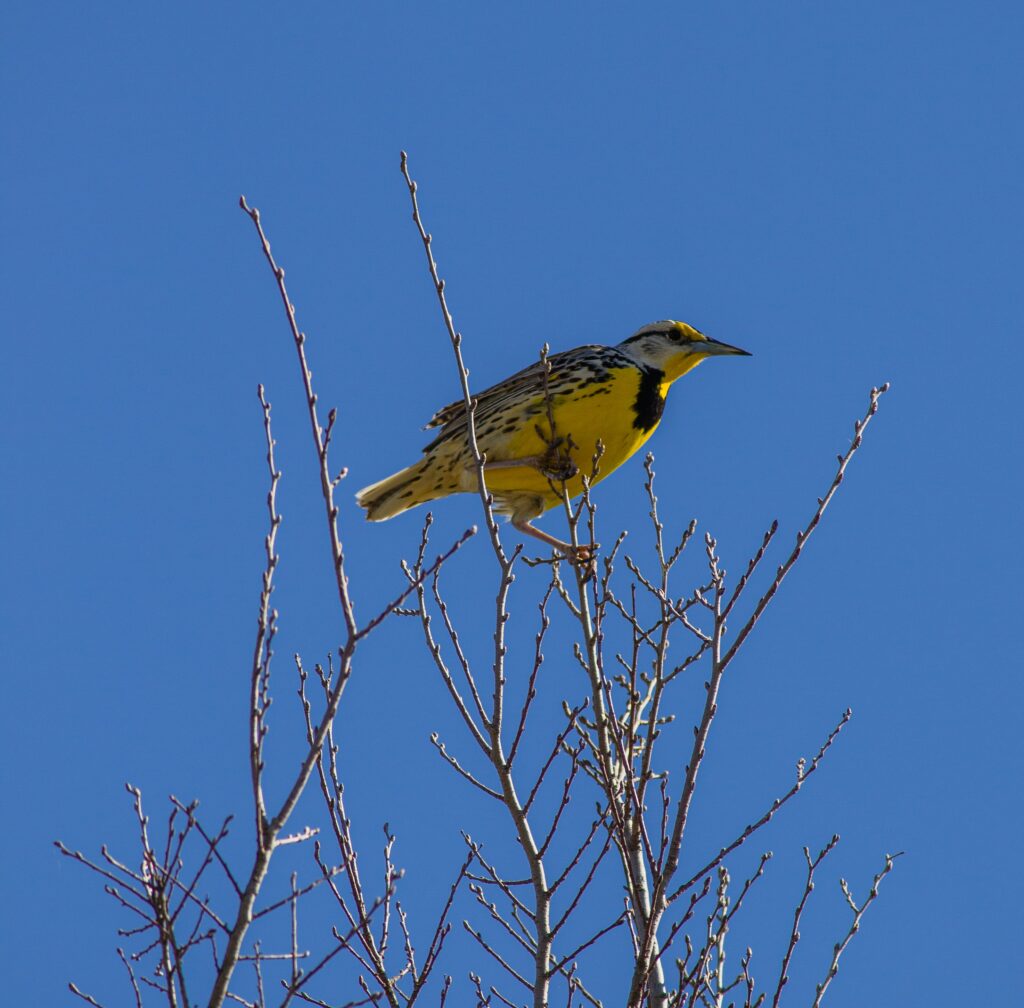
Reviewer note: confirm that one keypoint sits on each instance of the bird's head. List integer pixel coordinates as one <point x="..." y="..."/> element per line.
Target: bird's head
<point x="674" y="347"/>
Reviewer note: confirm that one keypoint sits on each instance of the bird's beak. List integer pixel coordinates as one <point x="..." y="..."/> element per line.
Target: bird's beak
<point x="715" y="348"/>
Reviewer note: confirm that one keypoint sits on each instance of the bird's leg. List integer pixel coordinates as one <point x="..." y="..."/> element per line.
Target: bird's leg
<point x="579" y="556"/>
<point x="554" y="464"/>
<point x="526" y="462"/>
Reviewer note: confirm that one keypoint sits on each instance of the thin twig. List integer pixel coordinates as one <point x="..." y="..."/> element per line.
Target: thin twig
<point x="794" y="934"/>
<point x="802" y="536"/>
<point x="858" y="913"/>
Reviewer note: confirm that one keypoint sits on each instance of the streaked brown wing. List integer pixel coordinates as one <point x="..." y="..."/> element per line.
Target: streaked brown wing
<point x="523" y="384"/>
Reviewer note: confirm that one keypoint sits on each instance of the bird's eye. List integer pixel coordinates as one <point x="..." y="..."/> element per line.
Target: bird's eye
<point x="675" y="335"/>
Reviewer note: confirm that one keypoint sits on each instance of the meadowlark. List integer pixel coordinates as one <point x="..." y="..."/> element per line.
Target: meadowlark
<point x="537" y="431"/>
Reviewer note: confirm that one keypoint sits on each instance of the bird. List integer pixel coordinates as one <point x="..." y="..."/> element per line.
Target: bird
<point x="577" y="414"/>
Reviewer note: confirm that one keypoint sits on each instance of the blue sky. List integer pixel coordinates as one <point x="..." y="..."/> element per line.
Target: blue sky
<point x="835" y="187"/>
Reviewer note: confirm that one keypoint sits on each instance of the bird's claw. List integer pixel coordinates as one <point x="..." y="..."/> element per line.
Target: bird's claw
<point x="584" y="557"/>
<point x="557" y="465"/>
<point x="562" y="471"/>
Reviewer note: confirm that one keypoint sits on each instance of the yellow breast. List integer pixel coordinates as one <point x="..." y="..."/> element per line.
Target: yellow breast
<point x="604" y="411"/>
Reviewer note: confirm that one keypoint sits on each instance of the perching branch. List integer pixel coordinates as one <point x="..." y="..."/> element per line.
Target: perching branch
<point x="534" y="756"/>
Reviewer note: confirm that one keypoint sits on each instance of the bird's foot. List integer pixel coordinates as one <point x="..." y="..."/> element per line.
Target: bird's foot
<point x="583" y="558"/>
<point x="556" y="464"/>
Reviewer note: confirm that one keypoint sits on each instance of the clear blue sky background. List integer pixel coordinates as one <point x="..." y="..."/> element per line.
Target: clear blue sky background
<point x="835" y="187"/>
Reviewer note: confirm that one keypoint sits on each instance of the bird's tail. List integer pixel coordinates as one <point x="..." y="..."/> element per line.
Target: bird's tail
<point x="398" y="493"/>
